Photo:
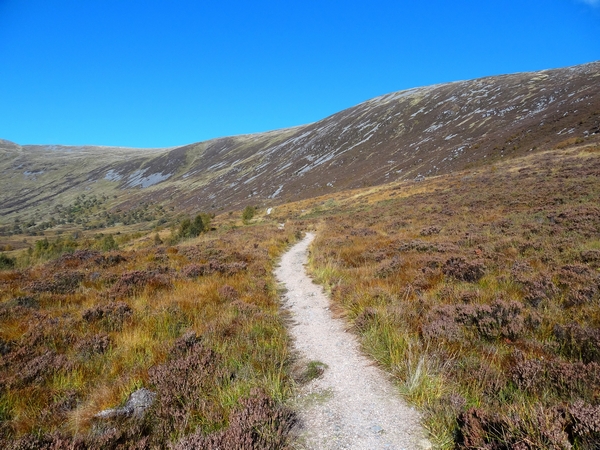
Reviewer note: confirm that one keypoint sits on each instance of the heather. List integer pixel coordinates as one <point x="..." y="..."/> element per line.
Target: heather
<point x="480" y="293"/>
<point x="197" y="324"/>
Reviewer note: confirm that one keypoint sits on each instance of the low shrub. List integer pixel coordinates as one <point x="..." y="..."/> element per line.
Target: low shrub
<point x="365" y="319"/>
<point x="388" y="268"/>
<point x="363" y="232"/>
<point x="428" y="231"/>
<point x="499" y="320"/>
<point x="93" y="345"/>
<point x="248" y="213"/>
<point x="110" y="316"/>
<point x="6" y="262"/>
<point x="186" y="388"/>
<point x="134" y="283"/>
<point x="228" y="293"/>
<point x="591" y="257"/>
<point x="578" y="342"/>
<point x="257" y="424"/>
<point x="462" y="270"/>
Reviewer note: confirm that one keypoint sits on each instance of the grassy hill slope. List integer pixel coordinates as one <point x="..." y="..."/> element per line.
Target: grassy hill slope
<point x="478" y="291"/>
<point x="424" y="131"/>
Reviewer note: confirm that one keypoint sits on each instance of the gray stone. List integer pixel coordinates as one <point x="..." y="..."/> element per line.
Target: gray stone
<point x="138" y="402"/>
<point x="377" y="429"/>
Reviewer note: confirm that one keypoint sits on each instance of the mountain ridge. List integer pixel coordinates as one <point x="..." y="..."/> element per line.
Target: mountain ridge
<point x="423" y="131"/>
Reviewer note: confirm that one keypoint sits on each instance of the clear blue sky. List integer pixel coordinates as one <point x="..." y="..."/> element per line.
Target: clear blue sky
<point x="162" y="73"/>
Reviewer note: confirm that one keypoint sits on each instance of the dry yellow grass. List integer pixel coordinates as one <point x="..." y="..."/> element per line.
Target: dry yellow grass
<point x="459" y="283"/>
<point x="383" y="252"/>
<point x="100" y="352"/>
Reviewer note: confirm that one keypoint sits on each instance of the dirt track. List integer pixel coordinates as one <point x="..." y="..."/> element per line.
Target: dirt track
<point x="353" y="405"/>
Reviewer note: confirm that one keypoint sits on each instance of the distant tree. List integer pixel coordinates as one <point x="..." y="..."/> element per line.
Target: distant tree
<point x="207" y="219"/>
<point x="42" y="245"/>
<point x="248" y="213"/>
<point x="184" y="228"/>
<point x="197" y="226"/>
<point x="191" y="228"/>
<point x="45" y="249"/>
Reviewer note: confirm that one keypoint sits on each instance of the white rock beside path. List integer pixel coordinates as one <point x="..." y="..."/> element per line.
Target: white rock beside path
<point x="353" y="405"/>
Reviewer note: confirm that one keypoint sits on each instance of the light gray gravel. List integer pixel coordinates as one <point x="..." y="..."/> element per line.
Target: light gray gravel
<point x="353" y="405"/>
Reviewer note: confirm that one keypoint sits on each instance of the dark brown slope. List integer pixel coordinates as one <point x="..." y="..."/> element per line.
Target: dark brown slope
<point x="423" y="131"/>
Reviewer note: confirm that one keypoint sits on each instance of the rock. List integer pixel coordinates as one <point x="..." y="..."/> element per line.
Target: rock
<point x="377" y="429"/>
<point x="139" y="401"/>
<point x="110" y="413"/>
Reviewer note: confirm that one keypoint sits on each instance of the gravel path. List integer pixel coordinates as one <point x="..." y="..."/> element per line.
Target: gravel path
<point x="353" y="405"/>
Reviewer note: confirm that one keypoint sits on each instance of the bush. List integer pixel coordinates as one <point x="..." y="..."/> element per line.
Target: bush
<point x="135" y="282"/>
<point x="6" y="262"/>
<point x="197" y="270"/>
<point x="107" y="243"/>
<point x="462" y="270"/>
<point x="258" y="423"/>
<point x="499" y="320"/>
<point x="248" y="213"/>
<point x="45" y="249"/>
<point x="577" y="342"/>
<point x="185" y="388"/>
<point x="192" y="228"/>
<point x="110" y="316"/>
<point x="93" y="345"/>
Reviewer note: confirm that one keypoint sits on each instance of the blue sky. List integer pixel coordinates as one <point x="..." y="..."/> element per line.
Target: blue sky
<point x="163" y="73"/>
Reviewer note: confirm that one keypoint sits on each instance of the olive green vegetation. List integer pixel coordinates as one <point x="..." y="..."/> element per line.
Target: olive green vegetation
<point x="6" y="262"/>
<point x="248" y="213"/>
<point x="86" y="212"/>
<point x="189" y="228"/>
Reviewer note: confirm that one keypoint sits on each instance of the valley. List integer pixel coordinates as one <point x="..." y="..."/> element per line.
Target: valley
<point x="457" y="235"/>
<point x="426" y="131"/>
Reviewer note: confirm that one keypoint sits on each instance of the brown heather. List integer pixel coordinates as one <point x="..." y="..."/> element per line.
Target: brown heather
<point x="198" y="324"/>
<point x="480" y="293"/>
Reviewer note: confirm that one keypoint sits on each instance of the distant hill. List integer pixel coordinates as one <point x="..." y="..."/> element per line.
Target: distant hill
<point x="423" y="131"/>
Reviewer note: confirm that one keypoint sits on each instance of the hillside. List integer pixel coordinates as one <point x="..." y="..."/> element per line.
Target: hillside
<point x="476" y="288"/>
<point x="423" y="131"/>
<point x="477" y="291"/>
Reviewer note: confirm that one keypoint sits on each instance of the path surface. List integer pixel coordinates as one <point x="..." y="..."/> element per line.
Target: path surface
<point x="353" y="405"/>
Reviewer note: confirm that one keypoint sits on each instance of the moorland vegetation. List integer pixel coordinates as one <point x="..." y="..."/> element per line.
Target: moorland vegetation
<point x="197" y="323"/>
<point x="478" y="291"/>
<point x="89" y="212"/>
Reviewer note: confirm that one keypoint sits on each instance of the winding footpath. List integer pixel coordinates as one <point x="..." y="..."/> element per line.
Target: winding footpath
<point x="353" y="405"/>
